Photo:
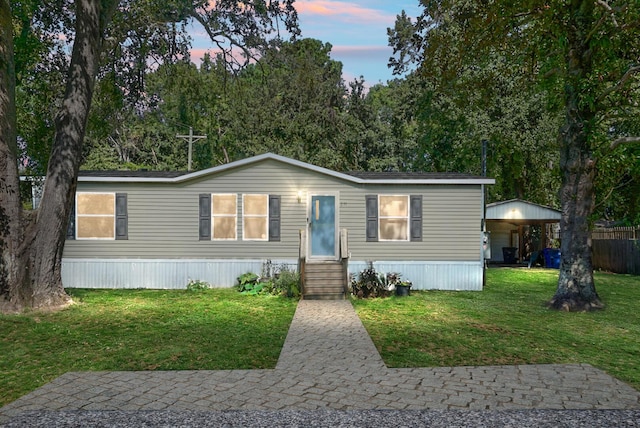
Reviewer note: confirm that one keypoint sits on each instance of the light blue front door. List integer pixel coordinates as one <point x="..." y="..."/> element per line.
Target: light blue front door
<point x="322" y="226"/>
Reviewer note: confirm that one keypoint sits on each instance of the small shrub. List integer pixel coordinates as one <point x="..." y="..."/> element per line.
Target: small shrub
<point x="248" y="283"/>
<point x="369" y="284"/>
<point x="394" y="279"/>
<point x="287" y="283"/>
<point x="197" y="285"/>
<point x="247" y="280"/>
<point x="284" y="283"/>
<point x="257" y="288"/>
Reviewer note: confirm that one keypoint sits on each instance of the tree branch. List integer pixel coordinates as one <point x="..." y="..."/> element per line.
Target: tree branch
<point x="623" y="140"/>
<point x="623" y="80"/>
<point x="608" y="195"/>
<point x="214" y="35"/>
<point x="609" y="9"/>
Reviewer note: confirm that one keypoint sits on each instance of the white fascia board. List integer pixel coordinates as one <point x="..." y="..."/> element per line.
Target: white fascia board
<point x="522" y="201"/>
<point x="433" y="181"/>
<point x="126" y="180"/>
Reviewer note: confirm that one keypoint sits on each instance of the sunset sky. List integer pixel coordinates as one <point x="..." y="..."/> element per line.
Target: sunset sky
<point x="356" y="29"/>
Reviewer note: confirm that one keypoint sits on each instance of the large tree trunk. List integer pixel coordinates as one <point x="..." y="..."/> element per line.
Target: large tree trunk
<point x="576" y="289"/>
<point x="11" y="260"/>
<point x="37" y="282"/>
<point x="47" y="243"/>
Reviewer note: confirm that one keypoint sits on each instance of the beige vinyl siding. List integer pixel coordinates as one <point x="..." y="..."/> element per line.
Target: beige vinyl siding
<point x="163" y="217"/>
<point x="450" y="225"/>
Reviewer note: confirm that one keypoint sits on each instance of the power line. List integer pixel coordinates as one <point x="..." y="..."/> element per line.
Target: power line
<point x="191" y="139"/>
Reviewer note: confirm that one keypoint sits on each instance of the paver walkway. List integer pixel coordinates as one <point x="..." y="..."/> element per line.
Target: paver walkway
<point x="329" y="362"/>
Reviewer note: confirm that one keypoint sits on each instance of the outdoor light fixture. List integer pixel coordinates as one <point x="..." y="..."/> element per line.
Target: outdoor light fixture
<point x="300" y="195"/>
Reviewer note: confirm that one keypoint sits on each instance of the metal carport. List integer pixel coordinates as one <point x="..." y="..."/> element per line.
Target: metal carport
<point x="509" y="223"/>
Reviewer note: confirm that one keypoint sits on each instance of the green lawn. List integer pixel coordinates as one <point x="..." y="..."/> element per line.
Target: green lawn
<point x="508" y="323"/>
<point x="222" y="329"/>
<point x="142" y="330"/>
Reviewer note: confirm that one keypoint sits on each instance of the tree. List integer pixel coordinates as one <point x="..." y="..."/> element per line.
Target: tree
<point x="32" y="243"/>
<point x="383" y="128"/>
<point x="39" y="80"/>
<point x="493" y="104"/>
<point x="121" y="135"/>
<point x="185" y="96"/>
<point x="291" y="103"/>
<point x="585" y="53"/>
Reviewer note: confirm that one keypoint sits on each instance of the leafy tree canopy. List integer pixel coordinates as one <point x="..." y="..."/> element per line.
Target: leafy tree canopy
<point x="47" y="83"/>
<point x="580" y="56"/>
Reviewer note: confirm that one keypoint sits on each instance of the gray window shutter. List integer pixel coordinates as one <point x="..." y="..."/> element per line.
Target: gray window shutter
<point x="416" y="217"/>
<point x="122" y="217"/>
<point x="71" y="227"/>
<point x="205" y="217"/>
<point x="372" y="217"/>
<point x="274" y="218"/>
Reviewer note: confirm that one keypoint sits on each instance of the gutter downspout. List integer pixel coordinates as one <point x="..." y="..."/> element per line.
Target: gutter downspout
<point x="484" y="215"/>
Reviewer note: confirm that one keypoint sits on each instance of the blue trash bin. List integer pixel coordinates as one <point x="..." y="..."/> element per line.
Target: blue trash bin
<point x="509" y="255"/>
<point x="551" y="258"/>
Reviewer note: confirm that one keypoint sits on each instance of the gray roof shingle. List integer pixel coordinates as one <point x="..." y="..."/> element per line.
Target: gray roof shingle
<point x="394" y="175"/>
<point x="136" y="174"/>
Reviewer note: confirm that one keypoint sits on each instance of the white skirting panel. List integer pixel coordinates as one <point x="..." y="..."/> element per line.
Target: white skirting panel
<point x="158" y="273"/>
<point x="458" y="276"/>
<point x="176" y="273"/>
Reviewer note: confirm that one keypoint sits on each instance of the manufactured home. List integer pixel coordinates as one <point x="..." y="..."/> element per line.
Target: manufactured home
<point x="151" y="229"/>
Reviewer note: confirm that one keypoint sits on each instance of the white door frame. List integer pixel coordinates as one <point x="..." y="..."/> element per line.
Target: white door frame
<point x="336" y="196"/>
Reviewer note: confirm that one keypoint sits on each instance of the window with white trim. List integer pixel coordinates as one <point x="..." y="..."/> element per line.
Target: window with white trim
<point x="393" y="217"/>
<point x="224" y="216"/>
<point x="95" y="215"/>
<point x="255" y="217"/>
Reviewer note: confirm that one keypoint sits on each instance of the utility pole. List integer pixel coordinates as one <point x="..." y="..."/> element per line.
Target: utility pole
<point x="190" y="139"/>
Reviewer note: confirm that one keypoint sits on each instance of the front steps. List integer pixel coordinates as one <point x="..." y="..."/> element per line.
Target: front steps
<point x="324" y="281"/>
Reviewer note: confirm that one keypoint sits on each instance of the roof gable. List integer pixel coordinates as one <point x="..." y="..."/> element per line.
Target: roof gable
<point x="518" y="209"/>
<point x="354" y="177"/>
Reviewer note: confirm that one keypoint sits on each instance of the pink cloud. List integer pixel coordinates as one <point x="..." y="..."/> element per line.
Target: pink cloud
<point x="343" y="11"/>
<point x="198" y="53"/>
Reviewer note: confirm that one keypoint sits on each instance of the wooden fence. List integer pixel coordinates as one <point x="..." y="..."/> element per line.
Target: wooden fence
<point x="617" y="249"/>
<point x="616" y="233"/>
